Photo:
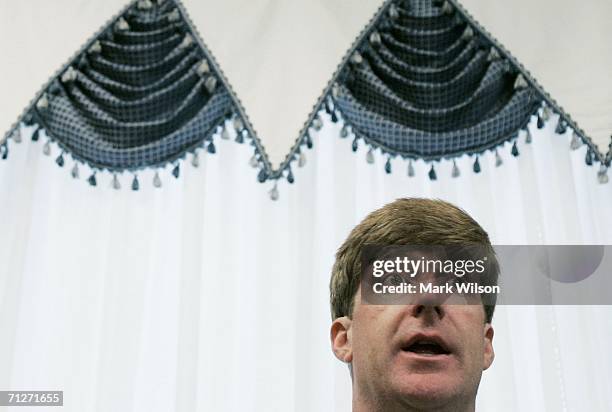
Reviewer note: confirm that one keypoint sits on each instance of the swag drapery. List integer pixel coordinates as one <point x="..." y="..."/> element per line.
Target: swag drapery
<point x="199" y="293"/>
<point x="423" y="80"/>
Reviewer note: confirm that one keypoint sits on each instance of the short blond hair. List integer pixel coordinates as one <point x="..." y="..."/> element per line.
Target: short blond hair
<point x="402" y="222"/>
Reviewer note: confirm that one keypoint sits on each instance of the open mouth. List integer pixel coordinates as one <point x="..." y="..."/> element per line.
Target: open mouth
<point x="426" y="347"/>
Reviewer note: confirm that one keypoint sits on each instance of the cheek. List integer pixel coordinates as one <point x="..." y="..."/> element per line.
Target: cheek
<point x="476" y="346"/>
<point x="367" y="324"/>
<point x="369" y="333"/>
<point x="471" y="327"/>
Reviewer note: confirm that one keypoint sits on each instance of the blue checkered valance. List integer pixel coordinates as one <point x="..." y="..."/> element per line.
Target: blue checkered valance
<point x="423" y="81"/>
<point x="144" y="92"/>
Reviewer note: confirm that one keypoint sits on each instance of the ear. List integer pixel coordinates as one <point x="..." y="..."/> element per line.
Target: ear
<point x="341" y="339"/>
<point x="489" y="353"/>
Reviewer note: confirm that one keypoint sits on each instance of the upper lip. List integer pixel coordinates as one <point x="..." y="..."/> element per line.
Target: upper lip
<point x="428" y="338"/>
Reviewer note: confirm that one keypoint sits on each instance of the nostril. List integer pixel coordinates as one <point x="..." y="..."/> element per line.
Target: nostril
<point x="423" y="310"/>
<point x="418" y="309"/>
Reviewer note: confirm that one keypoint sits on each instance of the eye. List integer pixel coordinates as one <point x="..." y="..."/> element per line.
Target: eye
<point x="393" y="279"/>
<point x="453" y="280"/>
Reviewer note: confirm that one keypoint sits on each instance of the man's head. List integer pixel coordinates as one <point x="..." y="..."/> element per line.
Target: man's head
<point x="389" y="347"/>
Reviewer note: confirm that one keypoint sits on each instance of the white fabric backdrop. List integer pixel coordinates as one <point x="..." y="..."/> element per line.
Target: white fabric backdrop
<point x="206" y="295"/>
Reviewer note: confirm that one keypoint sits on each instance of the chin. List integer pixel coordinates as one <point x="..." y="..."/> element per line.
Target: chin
<point x="428" y="387"/>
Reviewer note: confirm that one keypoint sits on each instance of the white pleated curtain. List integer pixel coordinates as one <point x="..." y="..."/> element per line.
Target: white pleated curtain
<point x="206" y="295"/>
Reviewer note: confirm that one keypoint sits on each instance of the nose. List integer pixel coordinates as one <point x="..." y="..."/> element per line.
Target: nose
<point x="422" y="311"/>
<point x="428" y="307"/>
<point x="428" y="304"/>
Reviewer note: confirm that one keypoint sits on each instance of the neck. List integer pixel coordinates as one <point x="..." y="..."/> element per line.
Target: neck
<point x="366" y="404"/>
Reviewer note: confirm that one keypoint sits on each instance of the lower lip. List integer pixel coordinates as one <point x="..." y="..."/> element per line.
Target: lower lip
<point x="423" y="357"/>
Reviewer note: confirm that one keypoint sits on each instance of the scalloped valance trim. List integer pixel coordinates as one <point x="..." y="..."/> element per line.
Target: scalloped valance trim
<point x="235" y="117"/>
<point x="544" y="113"/>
